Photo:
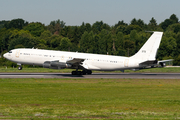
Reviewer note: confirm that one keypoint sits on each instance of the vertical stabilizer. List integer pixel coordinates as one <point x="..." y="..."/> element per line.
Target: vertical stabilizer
<point x="149" y="50"/>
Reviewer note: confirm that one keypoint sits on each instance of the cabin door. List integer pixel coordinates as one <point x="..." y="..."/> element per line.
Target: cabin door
<point x="17" y="53"/>
<point x="126" y="62"/>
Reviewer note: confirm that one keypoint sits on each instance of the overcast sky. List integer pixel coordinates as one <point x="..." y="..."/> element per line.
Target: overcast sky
<point x="74" y="12"/>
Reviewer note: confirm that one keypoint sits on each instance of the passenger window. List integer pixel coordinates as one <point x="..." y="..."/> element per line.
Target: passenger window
<point x="10" y="51"/>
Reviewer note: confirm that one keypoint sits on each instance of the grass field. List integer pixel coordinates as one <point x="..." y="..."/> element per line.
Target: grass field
<point x="89" y="99"/>
<point x="45" y="70"/>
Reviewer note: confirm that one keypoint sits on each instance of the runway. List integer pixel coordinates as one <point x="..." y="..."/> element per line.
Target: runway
<point x="94" y="75"/>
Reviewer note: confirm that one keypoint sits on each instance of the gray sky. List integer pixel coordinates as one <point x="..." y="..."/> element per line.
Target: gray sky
<point x="74" y="12"/>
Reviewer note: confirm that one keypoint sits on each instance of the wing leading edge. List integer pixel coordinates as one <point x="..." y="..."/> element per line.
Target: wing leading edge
<point x="75" y="61"/>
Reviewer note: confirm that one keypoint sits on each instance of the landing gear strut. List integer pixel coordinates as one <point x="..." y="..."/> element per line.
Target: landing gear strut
<point x="84" y="72"/>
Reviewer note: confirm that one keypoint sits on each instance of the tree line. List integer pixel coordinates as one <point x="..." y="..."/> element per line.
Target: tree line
<point x="121" y="39"/>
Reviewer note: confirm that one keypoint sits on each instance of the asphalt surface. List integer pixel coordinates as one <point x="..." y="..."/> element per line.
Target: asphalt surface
<point x="94" y="75"/>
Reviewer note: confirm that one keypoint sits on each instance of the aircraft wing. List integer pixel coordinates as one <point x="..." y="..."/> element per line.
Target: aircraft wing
<point x="75" y="61"/>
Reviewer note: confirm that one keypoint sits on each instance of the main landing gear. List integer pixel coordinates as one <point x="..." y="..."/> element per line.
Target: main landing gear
<point x="84" y="72"/>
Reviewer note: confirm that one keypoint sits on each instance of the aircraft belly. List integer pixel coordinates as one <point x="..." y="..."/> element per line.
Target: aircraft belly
<point x="102" y="66"/>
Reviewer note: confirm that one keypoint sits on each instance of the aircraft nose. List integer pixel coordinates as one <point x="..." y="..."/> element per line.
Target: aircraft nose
<point x="5" y="55"/>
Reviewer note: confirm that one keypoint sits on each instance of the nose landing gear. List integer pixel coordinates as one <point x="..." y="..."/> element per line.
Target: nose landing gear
<point x="20" y="68"/>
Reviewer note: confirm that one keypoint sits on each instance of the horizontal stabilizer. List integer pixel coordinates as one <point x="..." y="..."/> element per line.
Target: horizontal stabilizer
<point x="163" y="61"/>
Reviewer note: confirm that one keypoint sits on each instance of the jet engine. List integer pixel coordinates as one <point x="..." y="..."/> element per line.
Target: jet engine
<point x="55" y="65"/>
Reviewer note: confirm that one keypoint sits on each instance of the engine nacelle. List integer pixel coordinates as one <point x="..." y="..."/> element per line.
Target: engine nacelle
<point x="55" y="65"/>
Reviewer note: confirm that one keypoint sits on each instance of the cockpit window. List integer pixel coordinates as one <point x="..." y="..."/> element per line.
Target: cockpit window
<point x="10" y="51"/>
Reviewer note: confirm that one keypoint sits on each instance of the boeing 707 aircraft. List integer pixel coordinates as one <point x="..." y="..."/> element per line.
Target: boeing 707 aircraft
<point x="144" y="58"/>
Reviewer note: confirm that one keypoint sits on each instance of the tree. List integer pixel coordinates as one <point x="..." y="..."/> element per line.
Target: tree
<point x="88" y="27"/>
<point x="67" y="32"/>
<point x="141" y="23"/>
<point x="89" y="42"/>
<point x="129" y="46"/>
<point x="152" y="24"/>
<point x="133" y="35"/>
<point x="55" y="41"/>
<point x="44" y="40"/>
<point x="65" y="44"/>
<point x="138" y="22"/>
<point x="76" y="36"/>
<point x="133" y="21"/>
<point x="105" y="42"/>
<point x="16" y="23"/>
<point x="166" y="23"/>
<point x="42" y="44"/>
<point x="35" y="29"/>
<point x="135" y="38"/>
<point x="92" y="41"/>
<point x="119" y="43"/>
<point x="51" y="29"/>
<point x="5" y="38"/>
<point x="98" y="26"/>
<point x="26" y="42"/>
<point x="120" y="23"/>
<point x="82" y="29"/>
<point x="178" y="44"/>
<point x="175" y="28"/>
<point x="84" y="42"/>
<point x="2" y="23"/>
<point x="55" y="26"/>
<point x="121" y="28"/>
<point x="46" y="34"/>
<point x="167" y="47"/>
<point x="174" y="18"/>
<point x="96" y="43"/>
<point x="132" y="27"/>
<point x="177" y="60"/>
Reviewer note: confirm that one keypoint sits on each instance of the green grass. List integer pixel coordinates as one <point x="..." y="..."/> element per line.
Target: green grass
<point x="45" y="70"/>
<point x="89" y="99"/>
